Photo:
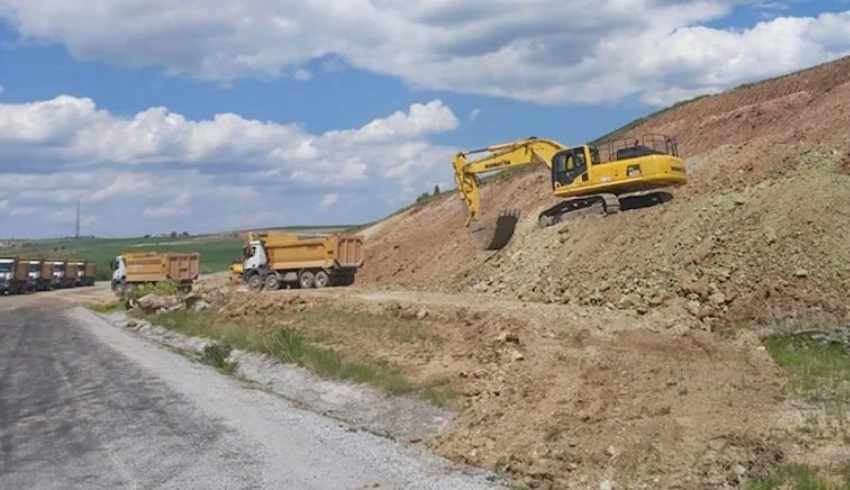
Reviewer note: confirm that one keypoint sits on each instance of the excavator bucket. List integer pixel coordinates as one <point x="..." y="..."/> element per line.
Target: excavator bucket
<point x="494" y="235"/>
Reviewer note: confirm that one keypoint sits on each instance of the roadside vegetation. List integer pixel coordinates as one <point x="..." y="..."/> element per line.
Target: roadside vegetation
<point x="289" y="345"/>
<point x="798" y="477"/>
<point x="107" y="307"/>
<point x="817" y="363"/>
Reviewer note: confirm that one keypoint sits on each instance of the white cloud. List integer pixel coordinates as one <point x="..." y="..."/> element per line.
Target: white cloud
<point x="329" y="200"/>
<point x="474" y="113"/>
<point x="2" y="89"/>
<point x="303" y="75"/>
<point x="74" y="130"/>
<point x="158" y="169"/>
<point x="179" y="206"/>
<point x="546" y="51"/>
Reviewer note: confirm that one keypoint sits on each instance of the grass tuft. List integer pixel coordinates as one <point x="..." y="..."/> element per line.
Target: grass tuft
<point x="107" y="307"/>
<point x="796" y="477"/>
<point x="216" y="355"/>
<point x="819" y="371"/>
<point x="288" y="346"/>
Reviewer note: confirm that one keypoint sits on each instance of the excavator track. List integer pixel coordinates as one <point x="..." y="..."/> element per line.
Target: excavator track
<point x="593" y="204"/>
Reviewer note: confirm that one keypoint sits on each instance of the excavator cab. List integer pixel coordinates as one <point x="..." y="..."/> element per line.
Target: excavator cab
<point x="569" y="165"/>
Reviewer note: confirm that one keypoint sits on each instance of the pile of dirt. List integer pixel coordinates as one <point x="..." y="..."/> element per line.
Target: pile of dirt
<point x="758" y="233"/>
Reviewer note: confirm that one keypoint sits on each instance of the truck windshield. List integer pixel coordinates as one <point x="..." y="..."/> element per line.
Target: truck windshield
<point x="59" y="267"/>
<point x="35" y="267"/>
<point x="5" y="267"/>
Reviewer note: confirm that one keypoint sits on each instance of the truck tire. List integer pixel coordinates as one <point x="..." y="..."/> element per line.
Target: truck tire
<point x="321" y="280"/>
<point x="306" y="279"/>
<point x="255" y="282"/>
<point x="272" y="282"/>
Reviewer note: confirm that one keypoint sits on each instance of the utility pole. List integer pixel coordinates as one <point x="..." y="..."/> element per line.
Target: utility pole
<point x="77" y="229"/>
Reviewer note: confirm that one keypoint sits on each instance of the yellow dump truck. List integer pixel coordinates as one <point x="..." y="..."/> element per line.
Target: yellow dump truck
<point x="270" y="260"/>
<point x="136" y="268"/>
<point x="14" y="275"/>
<point x="83" y="272"/>
<point x="58" y="270"/>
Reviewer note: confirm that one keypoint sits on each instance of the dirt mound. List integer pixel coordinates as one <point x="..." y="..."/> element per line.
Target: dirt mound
<point x="756" y="234"/>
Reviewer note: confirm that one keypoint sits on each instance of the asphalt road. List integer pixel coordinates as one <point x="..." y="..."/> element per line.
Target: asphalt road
<point x="85" y="405"/>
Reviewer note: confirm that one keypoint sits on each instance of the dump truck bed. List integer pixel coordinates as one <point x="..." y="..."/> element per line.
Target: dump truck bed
<point x="157" y="267"/>
<point x="289" y="251"/>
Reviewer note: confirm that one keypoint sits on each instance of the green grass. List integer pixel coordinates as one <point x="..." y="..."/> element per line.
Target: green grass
<point x="796" y="477"/>
<point x="817" y="371"/>
<point x="216" y="355"/>
<point x="108" y="307"/>
<point x="287" y="345"/>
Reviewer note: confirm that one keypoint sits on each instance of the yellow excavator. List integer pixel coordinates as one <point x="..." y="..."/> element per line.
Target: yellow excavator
<point x="623" y="174"/>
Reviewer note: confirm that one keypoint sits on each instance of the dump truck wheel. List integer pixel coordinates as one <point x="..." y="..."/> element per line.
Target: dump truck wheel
<point x="306" y="279"/>
<point x="322" y="280"/>
<point x="272" y="282"/>
<point x="255" y="282"/>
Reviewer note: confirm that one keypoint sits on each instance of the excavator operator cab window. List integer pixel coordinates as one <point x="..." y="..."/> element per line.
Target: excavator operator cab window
<point x="594" y="155"/>
<point x="567" y="166"/>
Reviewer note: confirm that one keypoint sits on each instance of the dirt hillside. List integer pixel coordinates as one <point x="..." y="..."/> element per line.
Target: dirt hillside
<point x="759" y="232"/>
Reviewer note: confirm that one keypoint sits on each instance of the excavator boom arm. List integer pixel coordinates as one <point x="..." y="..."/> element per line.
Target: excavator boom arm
<point x="530" y="151"/>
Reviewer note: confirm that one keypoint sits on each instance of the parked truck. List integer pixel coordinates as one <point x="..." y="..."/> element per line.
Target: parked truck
<point x="72" y="273"/>
<point x="270" y="260"/>
<point x="138" y="268"/>
<point x="34" y="269"/>
<point x="44" y="282"/>
<point x="14" y="273"/>
<point x="57" y="273"/>
<point x="84" y="272"/>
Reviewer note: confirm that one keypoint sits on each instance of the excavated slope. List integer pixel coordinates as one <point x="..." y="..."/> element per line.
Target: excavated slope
<point x="760" y="231"/>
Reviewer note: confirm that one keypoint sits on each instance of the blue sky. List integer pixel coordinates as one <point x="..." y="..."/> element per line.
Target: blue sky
<point x="171" y="115"/>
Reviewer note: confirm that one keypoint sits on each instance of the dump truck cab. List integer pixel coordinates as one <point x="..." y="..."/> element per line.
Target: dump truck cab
<point x="255" y="257"/>
<point x="34" y="274"/>
<point x="57" y="279"/>
<point x="79" y="270"/>
<point x="7" y="272"/>
<point x="119" y="270"/>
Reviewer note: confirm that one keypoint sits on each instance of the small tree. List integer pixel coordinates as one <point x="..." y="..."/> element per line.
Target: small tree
<point x="437" y="190"/>
<point x="173" y="234"/>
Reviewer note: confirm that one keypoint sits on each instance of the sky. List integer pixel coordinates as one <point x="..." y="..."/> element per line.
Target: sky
<point x="204" y="116"/>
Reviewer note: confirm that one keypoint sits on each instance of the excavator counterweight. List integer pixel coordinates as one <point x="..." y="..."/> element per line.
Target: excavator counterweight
<point x="582" y="176"/>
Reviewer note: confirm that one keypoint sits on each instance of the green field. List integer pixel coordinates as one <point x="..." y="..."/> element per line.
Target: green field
<point x="217" y="251"/>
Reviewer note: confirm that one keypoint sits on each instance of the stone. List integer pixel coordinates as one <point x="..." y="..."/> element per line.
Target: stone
<point x="801" y="273"/>
<point x="517" y="356"/>
<point x="770" y="236"/>
<point x="693" y="307"/>
<point x="201" y="306"/>
<point x="739" y="470"/>
<point x="508" y="337"/>
<point x="153" y="303"/>
<point x="628" y="301"/>
<point x="611" y="451"/>
<point x="717" y="299"/>
<point x="740" y="200"/>
<point x="607" y="485"/>
<point x="422" y="314"/>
